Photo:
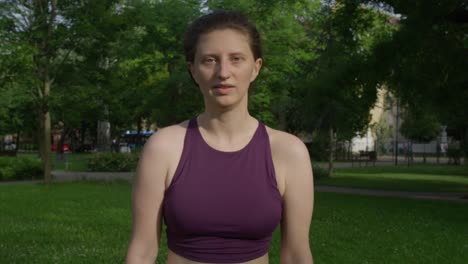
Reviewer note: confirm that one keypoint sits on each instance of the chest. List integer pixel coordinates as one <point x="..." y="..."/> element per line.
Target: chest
<point x="234" y="196"/>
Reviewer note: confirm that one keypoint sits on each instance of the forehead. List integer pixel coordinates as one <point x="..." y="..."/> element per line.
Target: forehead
<point x="223" y="41"/>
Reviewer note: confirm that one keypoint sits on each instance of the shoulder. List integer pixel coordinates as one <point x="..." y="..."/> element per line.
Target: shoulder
<point x="287" y="146"/>
<point x="166" y="145"/>
<point x="291" y="161"/>
<point x="162" y="152"/>
<point x="166" y="138"/>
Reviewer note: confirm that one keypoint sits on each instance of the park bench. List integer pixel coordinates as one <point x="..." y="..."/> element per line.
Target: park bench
<point x="365" y="156"/>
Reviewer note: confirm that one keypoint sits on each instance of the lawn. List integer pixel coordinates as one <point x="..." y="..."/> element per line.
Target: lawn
<point x="422" y="178"/>
<point x="90" y="223"/>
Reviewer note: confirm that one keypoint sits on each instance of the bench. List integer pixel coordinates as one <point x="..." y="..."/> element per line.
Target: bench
<point x="366" y="156"/>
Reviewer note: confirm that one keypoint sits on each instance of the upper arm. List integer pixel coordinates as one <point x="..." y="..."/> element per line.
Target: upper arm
<point x="298" y="200"/>
<point x="147" y="198"/>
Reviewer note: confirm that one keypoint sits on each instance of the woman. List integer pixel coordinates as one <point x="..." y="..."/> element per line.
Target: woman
<point x="222" y="181"/>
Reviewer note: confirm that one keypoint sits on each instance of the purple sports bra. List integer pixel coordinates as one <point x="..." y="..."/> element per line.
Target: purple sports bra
<point x="222" y="207"/>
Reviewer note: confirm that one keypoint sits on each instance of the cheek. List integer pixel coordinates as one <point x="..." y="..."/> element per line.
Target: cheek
<point x="250" y="75"/>
<point x="203" y="74"/>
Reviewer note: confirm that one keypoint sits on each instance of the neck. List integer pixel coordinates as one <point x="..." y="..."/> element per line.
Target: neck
<point x="228" y="124"/>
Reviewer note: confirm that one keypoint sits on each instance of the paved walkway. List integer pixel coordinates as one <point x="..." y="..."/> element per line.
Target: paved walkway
<point x="384" y="161"/>
<point x="443" y="196"/>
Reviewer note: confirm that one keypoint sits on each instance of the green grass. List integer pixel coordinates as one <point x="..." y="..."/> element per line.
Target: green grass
<point x="421" y="178"/>
<point x="91" y="223"/>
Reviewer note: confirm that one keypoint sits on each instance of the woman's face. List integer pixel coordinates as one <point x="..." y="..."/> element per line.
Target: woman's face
<point x="224" y="67"/>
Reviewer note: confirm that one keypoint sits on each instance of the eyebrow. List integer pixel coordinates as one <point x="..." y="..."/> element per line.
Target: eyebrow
<point x="216" y="55"/>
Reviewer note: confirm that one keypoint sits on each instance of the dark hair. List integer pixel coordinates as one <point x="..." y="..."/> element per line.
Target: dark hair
<point x="221" y="20"/>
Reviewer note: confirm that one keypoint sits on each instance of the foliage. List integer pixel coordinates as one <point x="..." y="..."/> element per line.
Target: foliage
<point x="454" y="153"/>
<point x="122" y="61"/>
<point x="420" y="126"/>
<point x="51" y="39"/>
<point x="338" y="91"/>
<point x="383" y="132"/>
<point x="319" y="173"/>
<point x="112" y="162"/>
<point x="318" y="149"/>
<point x="424" y="62"/>
<point x="20" y="168"/>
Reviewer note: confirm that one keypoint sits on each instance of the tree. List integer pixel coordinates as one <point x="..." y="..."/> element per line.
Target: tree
<point x="420" y="126"/>
<point x="151" y="71"/>
<point x="48" y="33"/>
<point x="338" y="91"/>
<point x="424" y="62"/>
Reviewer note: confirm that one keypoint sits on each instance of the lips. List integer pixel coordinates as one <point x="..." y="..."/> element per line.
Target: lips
<point x="222" y="89"/>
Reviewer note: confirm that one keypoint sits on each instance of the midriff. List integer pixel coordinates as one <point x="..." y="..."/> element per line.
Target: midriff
<point x="173" y="258"/>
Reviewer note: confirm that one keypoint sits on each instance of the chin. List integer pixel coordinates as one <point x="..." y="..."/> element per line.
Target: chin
<point x="225" y="102"/>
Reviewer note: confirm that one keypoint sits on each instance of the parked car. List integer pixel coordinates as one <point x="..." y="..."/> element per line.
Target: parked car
<point x="65" y="147"/>
<point x="131" y="140"/>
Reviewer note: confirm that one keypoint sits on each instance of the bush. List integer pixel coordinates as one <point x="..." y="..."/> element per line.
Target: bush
<point x="454" y="155"/>
<point x="113" y="162"/>
<point x="20" y="168"/>
<point x="319" y="173"/>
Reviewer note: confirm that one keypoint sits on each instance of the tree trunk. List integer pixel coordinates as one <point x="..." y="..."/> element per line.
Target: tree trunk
<point x="18" y="133"/>
<point x="103" y="135"/>
<point x="424" y="153"/>
<point x="330" y="157"/>
<point x="45" y="126"/>
<point x="40" y="134"/>
<point x="104" y="141"/>
<point x="138" y="141"/>
<point x="408" y="152"/>
<point x="45" y="142"/>
<point x="46" y="159"/>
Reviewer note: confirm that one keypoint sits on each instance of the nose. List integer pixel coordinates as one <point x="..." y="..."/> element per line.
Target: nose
<point x="223" y="69"/>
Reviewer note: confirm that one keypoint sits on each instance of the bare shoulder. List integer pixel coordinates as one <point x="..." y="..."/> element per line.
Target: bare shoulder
<point x="287" y="146"/>
<point x="167" y="139"/>
<point x="164" y="150"/>
<point x="290" y="159"/>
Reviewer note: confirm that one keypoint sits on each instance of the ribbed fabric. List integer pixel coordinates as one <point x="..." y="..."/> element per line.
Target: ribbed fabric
<point x="222" y="207"/>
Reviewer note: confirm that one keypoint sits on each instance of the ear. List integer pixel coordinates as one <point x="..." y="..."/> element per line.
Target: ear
<point x="256" y="69"/>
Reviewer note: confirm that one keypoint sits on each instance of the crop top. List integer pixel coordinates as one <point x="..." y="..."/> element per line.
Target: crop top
<point x="222" y="207"/>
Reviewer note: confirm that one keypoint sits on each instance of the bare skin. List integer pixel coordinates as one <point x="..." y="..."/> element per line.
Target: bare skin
<point x="224" y="67"/>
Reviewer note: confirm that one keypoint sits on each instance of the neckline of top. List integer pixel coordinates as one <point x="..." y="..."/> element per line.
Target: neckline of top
<point x="197" y="129"/>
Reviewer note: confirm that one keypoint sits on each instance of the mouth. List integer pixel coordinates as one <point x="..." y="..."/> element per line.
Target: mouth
<point x="223" y="86"/>
<point x="222" y="89"/>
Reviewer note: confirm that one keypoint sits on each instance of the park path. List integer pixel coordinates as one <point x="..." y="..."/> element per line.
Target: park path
<point x="60" y="176"/>
<point x="442" y="196"/>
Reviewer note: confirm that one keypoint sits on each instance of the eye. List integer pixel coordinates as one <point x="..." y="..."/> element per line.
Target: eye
<point x="236" y="58"/>
<point x="209" y="60"/>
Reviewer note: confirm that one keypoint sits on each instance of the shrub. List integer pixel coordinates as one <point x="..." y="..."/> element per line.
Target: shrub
<point x="113" y="162"/>
<point x="319" y="173"/>
<point x="454" y="155"/>
<point x="20" y="168"/>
